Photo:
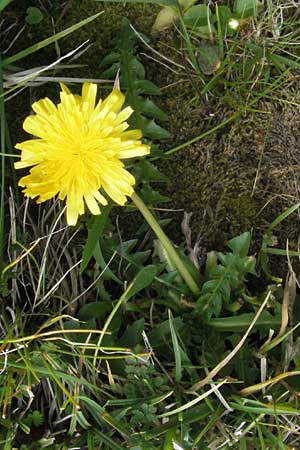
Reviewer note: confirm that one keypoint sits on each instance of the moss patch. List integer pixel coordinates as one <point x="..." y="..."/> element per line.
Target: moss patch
<point x="241" y="177"/>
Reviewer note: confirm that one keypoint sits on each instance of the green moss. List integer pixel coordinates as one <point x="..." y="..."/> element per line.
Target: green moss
<point x="209" y="183"/>
<point x="240" y="178"/>
<point x="242" y="213"/>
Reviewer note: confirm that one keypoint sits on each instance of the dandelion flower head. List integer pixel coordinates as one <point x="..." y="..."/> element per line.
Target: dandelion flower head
<point x="78" y="150"/>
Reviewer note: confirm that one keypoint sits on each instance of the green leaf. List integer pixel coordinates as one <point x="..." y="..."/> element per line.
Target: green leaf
<point x="146" y="87"/>
<point x="249" y="264"/>
<point x="109" y="59"/>
<point x="226" y="280"/>
<point x="107" y="273"/>
<point x="208" y="57"/>
<point x="137" y="68"/>
<point x="224" y="14"/>
<point x="197" y="16"/>
<point x="153" y="131"/>
<point x="94" y="233"/>
<point x="132" y="334"/>
<point x="147" y="171"/>
<point x="152" y="197"/>
<point x="143" y="279"/>
<point x="185" y="4"/>
<point x="91" y="445"/>
<point x="37" y="418"/>
<point x="94" y="310"/>
<point x="261" y="408"/>
<point x="211" y="262"/>
<point x="165" y="18"/>
<point x="161" y="334"/>
<point x="140" y="282"/>
<point x="225" y="290"/>
<point x="149" y="108"/>
<point x="176" y="347"/>
<point x="105" y="439"/>
<point x="241" y="322"/>
<point x="247" y="8"/>
<point x="34" y="15"/>
<point x="4" y="4"/>
<point x="169" y="439"/>
<point x="240" y="244"/>
<point x="139" y="258"/>
<point x="210" y="304"/>
<point x="112" y="71"/>
<point x="127" y="246"/>
<point x="95" y="409"/>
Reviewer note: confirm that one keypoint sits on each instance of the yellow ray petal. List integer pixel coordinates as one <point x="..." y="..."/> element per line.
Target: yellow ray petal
<point x="131" y="135"/>
<point x="44" y="107"/>
<point x="100" y="198"/>
<point x="92" y="204"/>
<point x="65" y="89"/>
<point x="134" y="151"/>
<point x="123" y="115"/>
<point x="89" y="92"/>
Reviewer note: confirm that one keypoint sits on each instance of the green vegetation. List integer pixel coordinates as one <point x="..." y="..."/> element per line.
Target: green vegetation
<point x="147" y="327"/>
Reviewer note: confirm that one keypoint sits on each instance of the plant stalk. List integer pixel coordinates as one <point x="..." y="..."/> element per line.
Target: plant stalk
<point x="2" y="144"/>
<point x="177" y="261"/>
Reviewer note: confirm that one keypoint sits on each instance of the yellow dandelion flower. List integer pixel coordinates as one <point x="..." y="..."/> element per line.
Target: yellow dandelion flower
<point x="78" y="150"/>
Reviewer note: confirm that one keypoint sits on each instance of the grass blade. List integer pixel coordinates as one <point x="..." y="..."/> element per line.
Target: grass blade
<point x="4" y="4"/>
<point x="35" y="47"/>
<point x="108" y="441"/>
<point x="178" y="365"/>
<point x="194" y="401"/>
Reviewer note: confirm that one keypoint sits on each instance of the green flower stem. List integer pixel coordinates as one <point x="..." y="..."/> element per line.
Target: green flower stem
<point x="175" y="258"/>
